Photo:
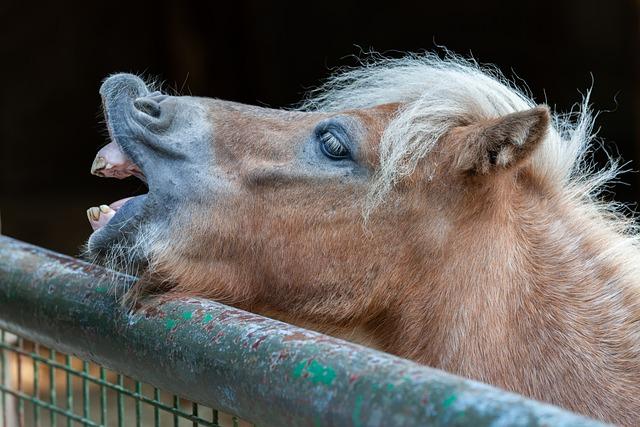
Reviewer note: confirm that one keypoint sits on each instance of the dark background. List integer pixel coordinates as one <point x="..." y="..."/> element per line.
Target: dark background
<point x="54" y="55"/>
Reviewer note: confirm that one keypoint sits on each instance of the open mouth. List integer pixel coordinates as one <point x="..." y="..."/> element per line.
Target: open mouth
<point x="148" y="142"/>
<point x="112" y="162"/>
<point x="126" y="110"/>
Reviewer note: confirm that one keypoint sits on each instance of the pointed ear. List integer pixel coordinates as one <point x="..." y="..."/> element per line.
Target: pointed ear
<point x="504" y="142"/>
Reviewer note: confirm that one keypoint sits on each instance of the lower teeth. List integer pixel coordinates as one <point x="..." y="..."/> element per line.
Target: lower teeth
<point x="100" y="216"/>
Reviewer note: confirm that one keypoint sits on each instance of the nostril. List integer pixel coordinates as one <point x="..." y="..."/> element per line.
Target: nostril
<point x="147" y="106"/>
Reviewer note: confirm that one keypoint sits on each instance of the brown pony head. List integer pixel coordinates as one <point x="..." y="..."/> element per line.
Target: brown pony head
<point x="424" y="201"/>
<point x="283" y="211"/>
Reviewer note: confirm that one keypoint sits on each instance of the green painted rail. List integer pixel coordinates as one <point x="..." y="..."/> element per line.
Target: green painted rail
<point x="265" y="371"/>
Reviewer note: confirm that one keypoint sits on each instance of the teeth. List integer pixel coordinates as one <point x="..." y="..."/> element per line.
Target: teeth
<point x="100" y="216"/>
<point x="93" y="213"/>
<point x="99" y="163"/>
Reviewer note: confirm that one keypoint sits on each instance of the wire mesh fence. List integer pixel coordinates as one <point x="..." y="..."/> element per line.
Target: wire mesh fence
<point x="42" y="387"/>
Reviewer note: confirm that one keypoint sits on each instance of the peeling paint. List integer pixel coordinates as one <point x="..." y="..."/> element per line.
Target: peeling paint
<point x="296" y="336"/>
<point x="257" y="343"/>
<point x="357" y="409"/>
<point x="315" y="372"/>
<point x="449" y="401"/>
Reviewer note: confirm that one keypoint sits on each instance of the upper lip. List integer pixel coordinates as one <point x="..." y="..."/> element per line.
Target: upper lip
<point x="119" y="93"/>
<point x="122" y="156"/>
<point x="112" y="162"/>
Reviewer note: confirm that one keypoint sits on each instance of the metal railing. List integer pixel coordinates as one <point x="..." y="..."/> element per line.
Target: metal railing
<point x="262" y="370"/>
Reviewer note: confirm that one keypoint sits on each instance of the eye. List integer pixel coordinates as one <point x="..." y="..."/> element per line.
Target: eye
<point x="332" y="147"/>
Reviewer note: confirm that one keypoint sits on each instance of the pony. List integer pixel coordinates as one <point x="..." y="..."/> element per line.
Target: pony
<point x="425" y="206"/>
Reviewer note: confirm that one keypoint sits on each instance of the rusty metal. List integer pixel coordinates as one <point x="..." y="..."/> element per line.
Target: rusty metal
<point x="266" y="371"/>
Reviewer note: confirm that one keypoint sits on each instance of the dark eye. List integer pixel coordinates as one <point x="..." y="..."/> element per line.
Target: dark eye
<point x="332" y="147"/>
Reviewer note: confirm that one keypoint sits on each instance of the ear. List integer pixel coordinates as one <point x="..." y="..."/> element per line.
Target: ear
<point x="504" y="142"/>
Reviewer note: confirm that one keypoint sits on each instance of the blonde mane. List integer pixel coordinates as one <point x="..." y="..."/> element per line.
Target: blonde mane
<point x="439" y="94"/>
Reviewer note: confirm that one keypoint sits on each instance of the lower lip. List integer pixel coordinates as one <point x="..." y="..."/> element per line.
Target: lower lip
<point x="116" y="217"/>
<point x="119" y="203"/>
<point x="124" y="223"/>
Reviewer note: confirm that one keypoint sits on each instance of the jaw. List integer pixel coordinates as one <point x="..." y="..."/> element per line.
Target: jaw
<point x="166" y="142"/>
<point x="123" y="229"/>
<point x="120" y="226"/>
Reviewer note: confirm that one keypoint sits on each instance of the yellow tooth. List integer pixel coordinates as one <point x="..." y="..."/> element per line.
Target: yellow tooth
<point x="105" y="209"/>
<point x="94" y="213"/>
<point x="99" y="163"/>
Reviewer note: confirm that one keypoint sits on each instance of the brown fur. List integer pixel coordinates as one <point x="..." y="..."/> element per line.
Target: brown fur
<point x="483" y="270"/>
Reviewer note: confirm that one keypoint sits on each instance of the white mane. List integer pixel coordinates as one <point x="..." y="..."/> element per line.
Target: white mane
<point x="439" y="94"/>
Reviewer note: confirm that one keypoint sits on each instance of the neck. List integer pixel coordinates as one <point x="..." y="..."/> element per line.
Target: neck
<point x="538" y="299"/>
